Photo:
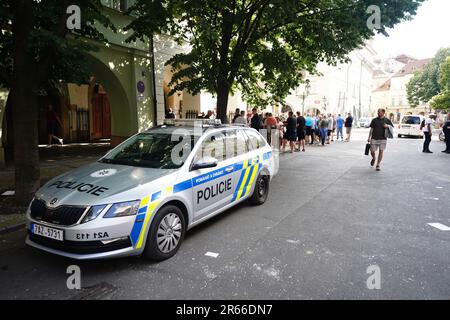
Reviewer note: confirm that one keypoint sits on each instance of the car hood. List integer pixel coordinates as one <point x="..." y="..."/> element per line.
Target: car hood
<point x="93" y="183"/>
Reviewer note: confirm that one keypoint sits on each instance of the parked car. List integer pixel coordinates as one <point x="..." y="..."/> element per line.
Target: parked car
<point x="140" y="199"/>
<point x="364" y="122"/>
<point x="409" y="126"/>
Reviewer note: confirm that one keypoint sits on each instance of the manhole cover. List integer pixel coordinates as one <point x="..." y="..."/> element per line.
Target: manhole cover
<point x="101" y="291"/>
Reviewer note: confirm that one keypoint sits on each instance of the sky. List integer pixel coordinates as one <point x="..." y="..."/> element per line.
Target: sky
<point x="421" y="37"/>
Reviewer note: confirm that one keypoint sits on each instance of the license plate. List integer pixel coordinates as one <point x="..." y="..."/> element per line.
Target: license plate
<point x="47" y="232"/>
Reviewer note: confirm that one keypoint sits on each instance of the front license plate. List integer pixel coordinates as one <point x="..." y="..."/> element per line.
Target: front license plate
<point x="47" y="232"/>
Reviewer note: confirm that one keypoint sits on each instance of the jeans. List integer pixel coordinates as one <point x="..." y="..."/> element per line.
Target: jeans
<point x="340" y="130"/>
<point x="426" y="144"/>
<point x="323" y="134"/>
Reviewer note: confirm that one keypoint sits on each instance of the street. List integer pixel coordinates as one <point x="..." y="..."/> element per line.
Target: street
<point x="329" y="217"/>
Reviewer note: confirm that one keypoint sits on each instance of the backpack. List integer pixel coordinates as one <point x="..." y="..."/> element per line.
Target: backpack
<point x="422" y="125"/>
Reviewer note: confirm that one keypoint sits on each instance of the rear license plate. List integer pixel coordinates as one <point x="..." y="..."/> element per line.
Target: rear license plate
<point x="48" y="232"/>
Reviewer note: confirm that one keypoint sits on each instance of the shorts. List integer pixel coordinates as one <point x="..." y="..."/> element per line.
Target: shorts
<point x="308" y="131"/>
<point x="348" y="130"/>
<point x="51" y="128"/>
<point x="378" y="144"/>
<point x="301" y="134"/>
<point x="290" y="136"/>
<point x="329" y="133"/>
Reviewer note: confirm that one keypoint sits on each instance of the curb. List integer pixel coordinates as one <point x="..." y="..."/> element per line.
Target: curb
<point x="12" y="228"/>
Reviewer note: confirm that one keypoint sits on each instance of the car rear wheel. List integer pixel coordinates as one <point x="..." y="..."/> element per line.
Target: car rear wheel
<point x="261" y="191"/>
<point x="166" y="234"/>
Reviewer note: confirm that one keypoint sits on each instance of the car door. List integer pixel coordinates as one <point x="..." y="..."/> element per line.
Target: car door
<point x="212" y="187"/>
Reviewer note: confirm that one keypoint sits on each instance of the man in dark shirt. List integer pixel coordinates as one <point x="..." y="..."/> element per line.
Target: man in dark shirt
<point x="348" y="126"/>
<point x="446" y="130"/>
<point x="301" y="126"/>
<point x="255" y="121"/>
<point x="291" y="131"/>
<point x="377" y="136"/>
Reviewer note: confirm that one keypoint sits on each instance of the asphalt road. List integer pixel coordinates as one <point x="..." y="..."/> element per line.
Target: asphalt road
<point x="329" y="217"/>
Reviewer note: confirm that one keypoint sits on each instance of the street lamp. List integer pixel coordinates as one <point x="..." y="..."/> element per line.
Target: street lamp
<point x="325" y="103"/>
<point x="305" y="94"/>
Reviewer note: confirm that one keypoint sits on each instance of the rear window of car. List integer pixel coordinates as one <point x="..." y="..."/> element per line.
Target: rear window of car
<point x="256" y="141"/>
<point x="411" y="120"/>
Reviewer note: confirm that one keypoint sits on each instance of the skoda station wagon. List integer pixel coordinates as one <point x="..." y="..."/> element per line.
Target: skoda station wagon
<point x="143" y="195"/>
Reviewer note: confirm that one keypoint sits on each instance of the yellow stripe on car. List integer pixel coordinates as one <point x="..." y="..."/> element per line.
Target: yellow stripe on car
<point x="249" y="185"/>
<point x="150" y="211"/>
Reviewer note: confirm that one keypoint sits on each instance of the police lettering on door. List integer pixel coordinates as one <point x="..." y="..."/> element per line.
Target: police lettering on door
<point x="214" y="190"/>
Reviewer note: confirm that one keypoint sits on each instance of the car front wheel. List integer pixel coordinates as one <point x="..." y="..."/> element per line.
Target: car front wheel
<point x="166" y="234"/>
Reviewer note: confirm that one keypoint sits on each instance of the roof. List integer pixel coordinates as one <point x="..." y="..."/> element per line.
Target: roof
<point x="412" y="67"/>
<point x="384" y="87"/>
<point x="405" y="59"/>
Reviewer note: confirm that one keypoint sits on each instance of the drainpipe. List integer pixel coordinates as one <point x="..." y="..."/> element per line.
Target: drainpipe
<point x="155" y="102"/>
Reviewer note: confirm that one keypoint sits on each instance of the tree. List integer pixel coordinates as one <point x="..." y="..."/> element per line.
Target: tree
<point x="425" y="84"/>
<point x="38" y="51"/>
<point x="442" y="100"/>
<point x="259" y="47"/>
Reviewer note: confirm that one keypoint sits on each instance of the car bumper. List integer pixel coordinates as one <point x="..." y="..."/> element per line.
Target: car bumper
<point x="81" y="250"/>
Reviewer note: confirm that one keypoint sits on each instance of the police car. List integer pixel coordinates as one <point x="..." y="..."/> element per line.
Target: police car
<point x="143" y="195"/>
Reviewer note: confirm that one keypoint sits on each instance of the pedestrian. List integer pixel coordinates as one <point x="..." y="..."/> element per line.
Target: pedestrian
<point x="316" y="121"/>
<point x="52" y="121"/>
<point x="446" y="130"/>
<point x="428" y="133"/>
<point x="301" y="131"/>
<point x="377" y="137"/>
<point x="291" y="131"/>
<point x="170" y="114"/>
<point x="323" y="129"/>
<point x="340" y="127"/>
<point x="270" y="123"/>
<point x="348" y="126"/>
<point x="241" y="119"/>
<point x="330" y="127"/>
<point x="309" y="128"/>
<point x="255" y="121"/>
<point x="237" y="114"/>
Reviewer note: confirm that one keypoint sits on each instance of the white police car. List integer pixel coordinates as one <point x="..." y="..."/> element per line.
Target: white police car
<point x="143" y="195"/>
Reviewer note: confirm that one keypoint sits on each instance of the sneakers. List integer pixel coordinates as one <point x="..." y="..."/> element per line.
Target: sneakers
<point x="372" y="162"/>
<point x="61" y="141"/>
<point x="378" y="168"/>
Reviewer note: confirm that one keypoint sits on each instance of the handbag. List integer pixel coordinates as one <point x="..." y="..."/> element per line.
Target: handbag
<point x="366" y="151"/>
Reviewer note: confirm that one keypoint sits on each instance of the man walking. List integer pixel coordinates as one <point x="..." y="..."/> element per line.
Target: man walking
<point x="348" y="126"/>
<point x="428" y="133"/>
<point x="377" y="136"/>
<point x="446" y="130"/>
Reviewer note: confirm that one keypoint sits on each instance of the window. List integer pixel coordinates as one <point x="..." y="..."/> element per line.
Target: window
<point x="119" y="5"/>
<point x="411" y="120"/>
<point x="213" y="146"/>
<point x="256" y="141"/>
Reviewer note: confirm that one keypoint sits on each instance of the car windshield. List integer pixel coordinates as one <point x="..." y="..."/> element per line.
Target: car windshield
<point x="160" y="149"/>
<point x="411" y="120"/>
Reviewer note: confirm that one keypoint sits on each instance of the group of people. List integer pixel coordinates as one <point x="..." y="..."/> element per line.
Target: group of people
<point x="427" y="127"/>
<point x="298" y="130"/>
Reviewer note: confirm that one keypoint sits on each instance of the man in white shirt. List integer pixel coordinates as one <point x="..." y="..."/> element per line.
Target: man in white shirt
<point x="428" y="132"/>
<point x="241" y="119"/>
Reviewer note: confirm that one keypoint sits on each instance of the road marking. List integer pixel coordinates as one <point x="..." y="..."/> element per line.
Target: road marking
<point x="439" y="226"/>
<point x="212" y="254"/>
<point x="439" y="187"/>
<point x="293" y="241"/>
<point x="8" y="193"/>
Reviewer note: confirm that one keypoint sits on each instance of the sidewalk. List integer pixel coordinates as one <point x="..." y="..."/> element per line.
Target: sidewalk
<point x="53" y="162"/>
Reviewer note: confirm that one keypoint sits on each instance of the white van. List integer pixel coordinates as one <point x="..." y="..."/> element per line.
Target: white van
<point x="410" y="126"/>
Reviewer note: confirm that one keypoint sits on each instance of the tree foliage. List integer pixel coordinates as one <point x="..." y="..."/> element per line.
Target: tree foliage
<point x="260" y="46"/>
<point x="425" y="84"/>
<point x="442" y="100"/>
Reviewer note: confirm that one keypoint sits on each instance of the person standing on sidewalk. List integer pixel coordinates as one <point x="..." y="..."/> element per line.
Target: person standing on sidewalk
<point x="428" y="133"/>
<point x="339" y="127"/>
<point x="348" y="126"/>
<point x="323" y="128"/>
<point x="309" y="128"/>
<point x="330" y="128"/>
<point x="446" y="130"/>
<point x="301" y="131"/>
<point x="377" y="137"/>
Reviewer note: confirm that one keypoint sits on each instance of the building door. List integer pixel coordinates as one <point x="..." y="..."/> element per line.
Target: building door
<point x="101" y="116"/>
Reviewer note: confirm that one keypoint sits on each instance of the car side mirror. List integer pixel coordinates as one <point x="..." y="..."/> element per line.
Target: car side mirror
<point x="203" y="163"/>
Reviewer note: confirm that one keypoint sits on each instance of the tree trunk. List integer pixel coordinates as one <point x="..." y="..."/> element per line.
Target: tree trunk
<point x="25" y="106"/>
<point x="222" y="102"/>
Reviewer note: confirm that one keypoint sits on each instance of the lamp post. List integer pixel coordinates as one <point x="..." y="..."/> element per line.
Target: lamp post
<point x="325" y="103"/>
<point x="305" y="94"/>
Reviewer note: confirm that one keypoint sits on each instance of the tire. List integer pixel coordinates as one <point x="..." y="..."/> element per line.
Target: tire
<point x="400" y="136"/>
<point x="261" y="191"/>
<point x="172" y="219"/>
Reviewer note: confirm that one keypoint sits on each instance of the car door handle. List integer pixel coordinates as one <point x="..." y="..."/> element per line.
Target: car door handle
<point x="229" y="169"/>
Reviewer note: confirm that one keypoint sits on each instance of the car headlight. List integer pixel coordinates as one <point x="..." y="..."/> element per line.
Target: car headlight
<point x="123" y="209"/>
<point x="93" y="213"/>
